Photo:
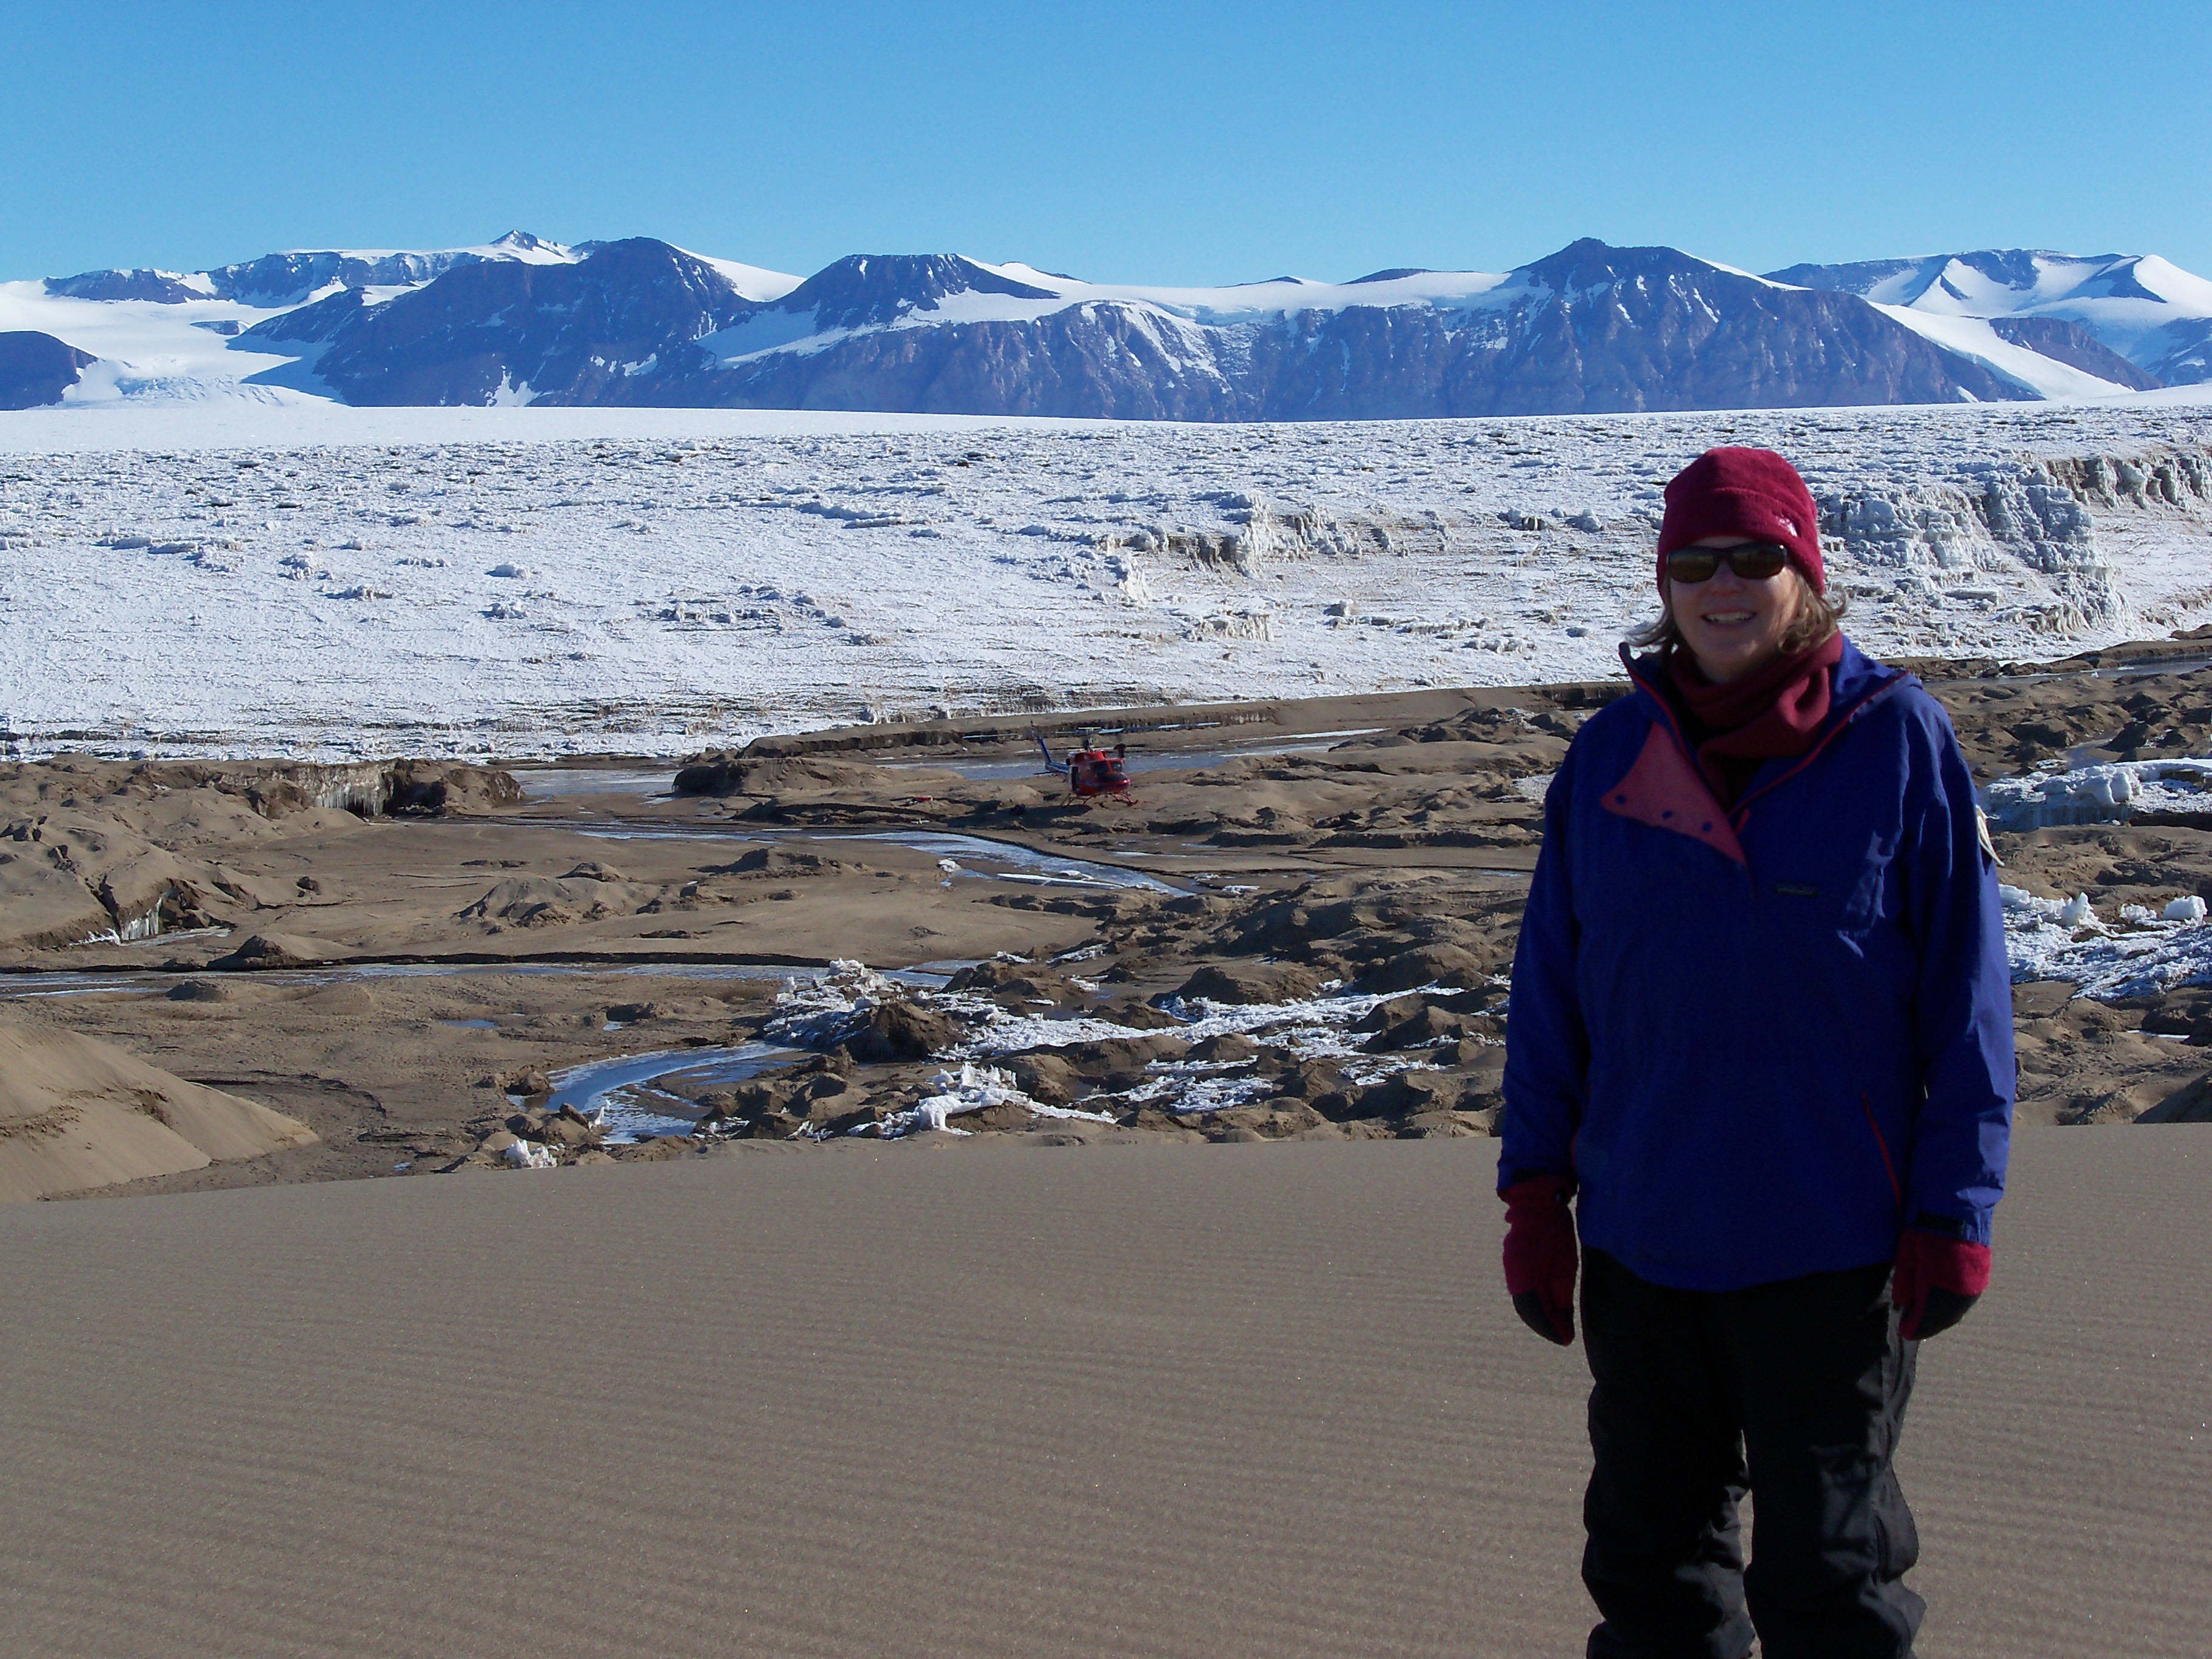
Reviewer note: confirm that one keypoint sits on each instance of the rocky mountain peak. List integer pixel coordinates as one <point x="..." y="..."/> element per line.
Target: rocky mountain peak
<point x="865" y="290"/>
<point x="491" y="326"/>
<point x="165" y="288"/>
<point x="1590" y="265"/>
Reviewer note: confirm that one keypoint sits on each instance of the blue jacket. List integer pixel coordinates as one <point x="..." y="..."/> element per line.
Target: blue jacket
<point x="1763" y="1040"/>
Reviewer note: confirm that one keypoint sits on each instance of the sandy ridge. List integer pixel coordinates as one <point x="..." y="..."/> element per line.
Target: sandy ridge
<point x="77" y="1113"/>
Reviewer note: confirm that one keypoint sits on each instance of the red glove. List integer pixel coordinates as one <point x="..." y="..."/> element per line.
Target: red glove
<point x="1541" y="1257"/>
<point x="1937" y="1279"/>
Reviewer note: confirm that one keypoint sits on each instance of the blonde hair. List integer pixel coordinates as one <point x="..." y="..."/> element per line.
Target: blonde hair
<point x="1819" y="615"/>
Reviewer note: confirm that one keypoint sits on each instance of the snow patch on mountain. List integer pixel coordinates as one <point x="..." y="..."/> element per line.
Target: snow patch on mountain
<point x="1282" y="296"/>
<point x="753" y="282"/>
<point x="1972" y="338"/>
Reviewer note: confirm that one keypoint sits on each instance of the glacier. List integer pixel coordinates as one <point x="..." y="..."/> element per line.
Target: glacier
<point x="315" y="581"/>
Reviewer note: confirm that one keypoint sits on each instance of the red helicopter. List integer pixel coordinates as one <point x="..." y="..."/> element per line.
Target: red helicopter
<point x="1093" y="772"/>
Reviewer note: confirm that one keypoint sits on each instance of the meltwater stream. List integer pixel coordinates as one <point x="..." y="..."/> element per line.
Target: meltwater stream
<point x="1015" y="862"/>
<point x="617" y="1094"/>
<point x="1022" y="863"/>
<point x="1004" y="861"/>
<point x="71" y="982"/>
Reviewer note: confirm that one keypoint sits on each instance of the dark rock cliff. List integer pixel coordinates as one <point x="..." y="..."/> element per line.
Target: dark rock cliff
<point x="1106" y="361"/>
<point x="163" y="288"/>
<point x="36" y="369"/>
<point x="2071" y="343"/>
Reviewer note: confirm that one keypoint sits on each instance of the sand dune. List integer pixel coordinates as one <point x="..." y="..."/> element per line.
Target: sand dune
<point x="77" y="1112"/>
<point x="1112" y="1399"/>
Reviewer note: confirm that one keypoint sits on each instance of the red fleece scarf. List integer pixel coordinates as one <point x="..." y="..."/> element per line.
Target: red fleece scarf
<point x="1774" y="711"/>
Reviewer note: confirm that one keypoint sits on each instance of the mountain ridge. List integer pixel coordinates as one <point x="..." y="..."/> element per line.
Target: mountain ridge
<point x="2140" y="307"/>
<point x="1591" y="328"/>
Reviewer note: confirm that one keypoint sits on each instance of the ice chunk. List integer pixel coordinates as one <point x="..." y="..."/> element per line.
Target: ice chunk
<point x="2076" y="912"/>
<point x="2098" y="795"/>
<point x="2186" y="910"/>
<point x="523" y="1155"/>
<point x="968" y="1090"/>
<point x="973" y="1087"/>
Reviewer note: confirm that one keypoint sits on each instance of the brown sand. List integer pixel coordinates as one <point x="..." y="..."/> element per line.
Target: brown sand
<point x="76" y="1112"/>
<point x="1099" y="1401"/>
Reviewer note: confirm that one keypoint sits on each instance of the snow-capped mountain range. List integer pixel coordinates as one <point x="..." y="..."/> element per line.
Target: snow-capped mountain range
<point x="2140" y="307"/>
<point x="1591" y="329"/>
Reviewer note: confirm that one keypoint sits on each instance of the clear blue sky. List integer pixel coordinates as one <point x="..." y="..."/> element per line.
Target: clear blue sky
<point x="1128" y="142"/>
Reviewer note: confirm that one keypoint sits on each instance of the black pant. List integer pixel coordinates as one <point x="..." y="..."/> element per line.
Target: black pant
<point x="1809" y="1376"/>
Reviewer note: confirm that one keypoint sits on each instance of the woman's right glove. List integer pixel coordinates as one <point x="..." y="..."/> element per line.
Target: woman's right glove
<point x="1541" y="1257"/>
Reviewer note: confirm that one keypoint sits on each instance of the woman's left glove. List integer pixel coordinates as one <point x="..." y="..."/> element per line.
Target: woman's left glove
<point x="1541" y="1257"/>
<point x="1937" y="1279"/>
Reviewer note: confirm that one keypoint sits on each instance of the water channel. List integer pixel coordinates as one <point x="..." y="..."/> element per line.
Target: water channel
<point x="618" y="1094"/>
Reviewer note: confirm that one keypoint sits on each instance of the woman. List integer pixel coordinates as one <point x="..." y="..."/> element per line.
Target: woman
<point x="1760" y="1035"/>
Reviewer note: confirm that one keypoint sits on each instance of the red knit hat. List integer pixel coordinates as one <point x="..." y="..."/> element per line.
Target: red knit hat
<point x="1744" y="492"/>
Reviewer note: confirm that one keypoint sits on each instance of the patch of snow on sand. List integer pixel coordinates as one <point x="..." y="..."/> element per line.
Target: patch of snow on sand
<point x="2099" y="795"/>
<point x="822" y="1013"/>
<point x="970" y="1089"/>
<point x="1311" y="1027"/>
<point x="2063" y="939"/>
<point x="1314" y="1029"/>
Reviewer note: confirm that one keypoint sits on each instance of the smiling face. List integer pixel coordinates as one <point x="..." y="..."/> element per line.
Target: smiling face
<point x="1733" y="625"/>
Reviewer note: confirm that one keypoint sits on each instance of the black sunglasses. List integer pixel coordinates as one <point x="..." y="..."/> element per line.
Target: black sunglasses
<point x="1754" y="562"/>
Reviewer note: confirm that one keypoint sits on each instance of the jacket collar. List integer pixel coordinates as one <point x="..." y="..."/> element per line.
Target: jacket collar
<point x="1858" y="681"/>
